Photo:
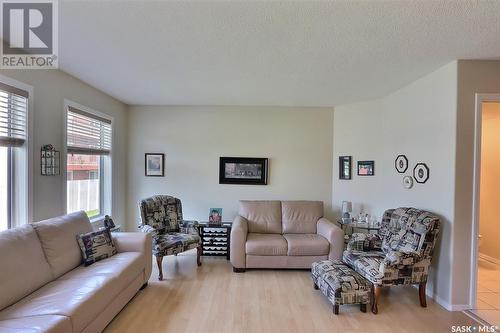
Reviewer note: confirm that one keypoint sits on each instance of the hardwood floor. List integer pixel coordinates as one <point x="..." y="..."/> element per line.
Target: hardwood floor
<point x="212" y="298"/>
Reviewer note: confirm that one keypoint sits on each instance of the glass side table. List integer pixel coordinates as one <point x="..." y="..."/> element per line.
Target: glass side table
<point x="350" y="227"/>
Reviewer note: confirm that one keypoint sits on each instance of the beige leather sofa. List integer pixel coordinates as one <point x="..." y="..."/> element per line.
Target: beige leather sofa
<point x="44" y="287"/>
<point x="283" y="234"/>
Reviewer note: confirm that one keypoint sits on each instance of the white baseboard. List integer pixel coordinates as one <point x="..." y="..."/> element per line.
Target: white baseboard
<point x="445" y="304"/>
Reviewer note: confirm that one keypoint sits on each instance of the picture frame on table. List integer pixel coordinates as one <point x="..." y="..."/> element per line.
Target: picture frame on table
<point x="154" y="164"/>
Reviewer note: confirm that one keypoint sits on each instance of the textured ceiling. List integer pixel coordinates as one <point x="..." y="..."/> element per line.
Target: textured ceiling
<point x="301" y="53"/>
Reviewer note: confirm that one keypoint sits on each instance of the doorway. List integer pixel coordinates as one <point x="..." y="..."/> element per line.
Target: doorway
<point x="485" y="291"/>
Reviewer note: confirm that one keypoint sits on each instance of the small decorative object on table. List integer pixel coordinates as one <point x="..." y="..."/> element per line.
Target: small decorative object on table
<point x="215" y="240"/>
<point x="108" y="222"/>
<point x="215" y="217"/>
<point x="340" y="284"/>
<point x="49" y="161"/>
<point x="346" y="209"/>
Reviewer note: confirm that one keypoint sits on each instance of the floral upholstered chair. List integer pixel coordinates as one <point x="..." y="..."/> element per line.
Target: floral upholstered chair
<point x="161" y="215"/>
<point x="399" y="254"/>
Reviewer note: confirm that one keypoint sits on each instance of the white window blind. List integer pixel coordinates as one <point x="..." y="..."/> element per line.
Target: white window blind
<point x="87" y="133"/>
<point x="13" y="109"/>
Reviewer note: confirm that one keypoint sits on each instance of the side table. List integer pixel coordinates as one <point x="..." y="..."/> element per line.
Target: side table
<point x="215" y="239"/>
<point x="346" y="227"/>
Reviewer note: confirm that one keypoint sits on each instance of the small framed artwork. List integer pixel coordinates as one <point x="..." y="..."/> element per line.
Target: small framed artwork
<point x="366" y="168"/>
<point x="154" y="165"/>
<point x="401" y="163"/>
<point x="215" y="217"/>
<point x="243" y="170"/>
<point x="345" y="167"/>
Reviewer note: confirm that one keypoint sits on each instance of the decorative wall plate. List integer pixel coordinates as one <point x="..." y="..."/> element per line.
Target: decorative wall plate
<point x="421" y="173"/>
<point x="407" y="182"/>
<point x="401" y="163"/>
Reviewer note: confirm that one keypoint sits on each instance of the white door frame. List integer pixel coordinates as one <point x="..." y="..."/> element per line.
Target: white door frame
<point x="480" y="98"/>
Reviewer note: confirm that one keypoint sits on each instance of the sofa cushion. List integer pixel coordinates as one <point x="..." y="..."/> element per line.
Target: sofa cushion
<point x="58" y="238"/>
<point x="24" y="267"/>
<point x="306" y="245"/>
<point x="96" y="245"/>
<point x="262" y="216"/>
<point x="37" y="324"/>
<point x="83" y="293"/>
<point x="266" y="245"/>
<point x="301" y="217"/>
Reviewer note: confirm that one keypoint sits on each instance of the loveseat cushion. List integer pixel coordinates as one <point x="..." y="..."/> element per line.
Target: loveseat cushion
<point x="266" y="245"/>
<point x="306" y="245"/>
<point x="263" y="216"/>
<point x="37" y="324"/>
<point x="24" y="267"/>
<point x="81" y="294"/>
<point x="301" y="217"/>
<point x="58" y="239"/>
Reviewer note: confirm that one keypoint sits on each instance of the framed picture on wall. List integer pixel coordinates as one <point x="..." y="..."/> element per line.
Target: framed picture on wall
<point x="154" y="165"/>
<point x="366" y="168"/>
<point x="345" y="167"/>
<point x="243" y="170"/>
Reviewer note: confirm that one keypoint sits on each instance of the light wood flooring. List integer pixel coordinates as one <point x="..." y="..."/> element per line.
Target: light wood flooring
<point x="212" y="298"/>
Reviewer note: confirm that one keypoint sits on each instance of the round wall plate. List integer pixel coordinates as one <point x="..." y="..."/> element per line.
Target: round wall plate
<point x="401" y="163"/>
<point x="421" y="173"/>
<point x="407" y="182"/>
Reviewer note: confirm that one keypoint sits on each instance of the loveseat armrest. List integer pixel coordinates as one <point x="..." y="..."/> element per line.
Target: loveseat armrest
<point x="135" y="242"/>
<point x="239" y="231"/>
<point x="334" y="235"/>
<point x="397" y="258"/>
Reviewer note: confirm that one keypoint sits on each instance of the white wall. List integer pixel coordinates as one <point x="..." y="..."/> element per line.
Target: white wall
<point x="298" y="142"/>
<point x="419" y="121"/>
<point x="50" y="88"/>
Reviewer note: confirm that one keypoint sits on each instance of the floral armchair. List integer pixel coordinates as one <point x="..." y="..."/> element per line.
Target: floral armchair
<point x="399" y="254"/>
<point x="161" y="216"/>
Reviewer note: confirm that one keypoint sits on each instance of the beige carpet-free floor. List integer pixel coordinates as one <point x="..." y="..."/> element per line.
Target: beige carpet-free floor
<point x="212" y="298"/>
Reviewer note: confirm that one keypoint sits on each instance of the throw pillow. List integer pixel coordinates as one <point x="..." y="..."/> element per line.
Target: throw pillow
<point x="96" y="245"/>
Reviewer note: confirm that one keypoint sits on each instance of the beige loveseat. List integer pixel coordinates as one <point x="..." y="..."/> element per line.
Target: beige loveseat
<point x="283" y="234"/>
<point x="44" y="287"/>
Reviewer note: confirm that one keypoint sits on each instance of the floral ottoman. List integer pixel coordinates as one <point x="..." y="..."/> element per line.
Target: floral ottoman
<point x="340" y="284"/>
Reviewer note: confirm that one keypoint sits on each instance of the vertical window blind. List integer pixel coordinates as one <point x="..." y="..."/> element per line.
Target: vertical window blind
<point x="13" y="115"/>
<point x="87" y="133"/>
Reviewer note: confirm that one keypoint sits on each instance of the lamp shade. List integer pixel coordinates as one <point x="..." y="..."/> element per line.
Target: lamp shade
<point x="346" y="206"/>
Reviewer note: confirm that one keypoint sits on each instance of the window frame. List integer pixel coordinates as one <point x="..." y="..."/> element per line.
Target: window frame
<point x="106" y="165"/>
<point x="20" y="184"/>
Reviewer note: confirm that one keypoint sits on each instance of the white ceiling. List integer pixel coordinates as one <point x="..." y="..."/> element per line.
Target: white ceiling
<point x="300" y="53"/>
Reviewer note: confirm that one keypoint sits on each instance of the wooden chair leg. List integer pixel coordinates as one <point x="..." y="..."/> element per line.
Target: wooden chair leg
<point x="198" y="256"/>
<point x="362" y="307"/>
<point x="375" y="298"/>
<point x="315" y="286"/>
<point x="159" y="260"/>
<point x="421" y="294"/>
<point x="336" y="309"/>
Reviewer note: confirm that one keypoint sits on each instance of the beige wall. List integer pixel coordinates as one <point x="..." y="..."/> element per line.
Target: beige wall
<point x="489" y="215"/>
<point x="50" y="88"/>
<point x="298" y="142"/>
<point x="473" y="77"/>
<point x="418" y="121"/>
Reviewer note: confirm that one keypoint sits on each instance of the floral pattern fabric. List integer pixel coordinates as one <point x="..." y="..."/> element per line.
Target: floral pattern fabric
<point x="408" y="238"/>
<point x="161" y="216"/>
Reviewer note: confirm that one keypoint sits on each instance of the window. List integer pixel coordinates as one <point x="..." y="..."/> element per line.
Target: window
<point x="88" y="169"/>
<point x="13" y="137"/>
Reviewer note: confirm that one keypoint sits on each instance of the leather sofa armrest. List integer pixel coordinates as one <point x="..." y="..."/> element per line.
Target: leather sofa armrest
<point x="135" y="242"/>
<point x="334" y="235"/>
<point x="239" y="231"/>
